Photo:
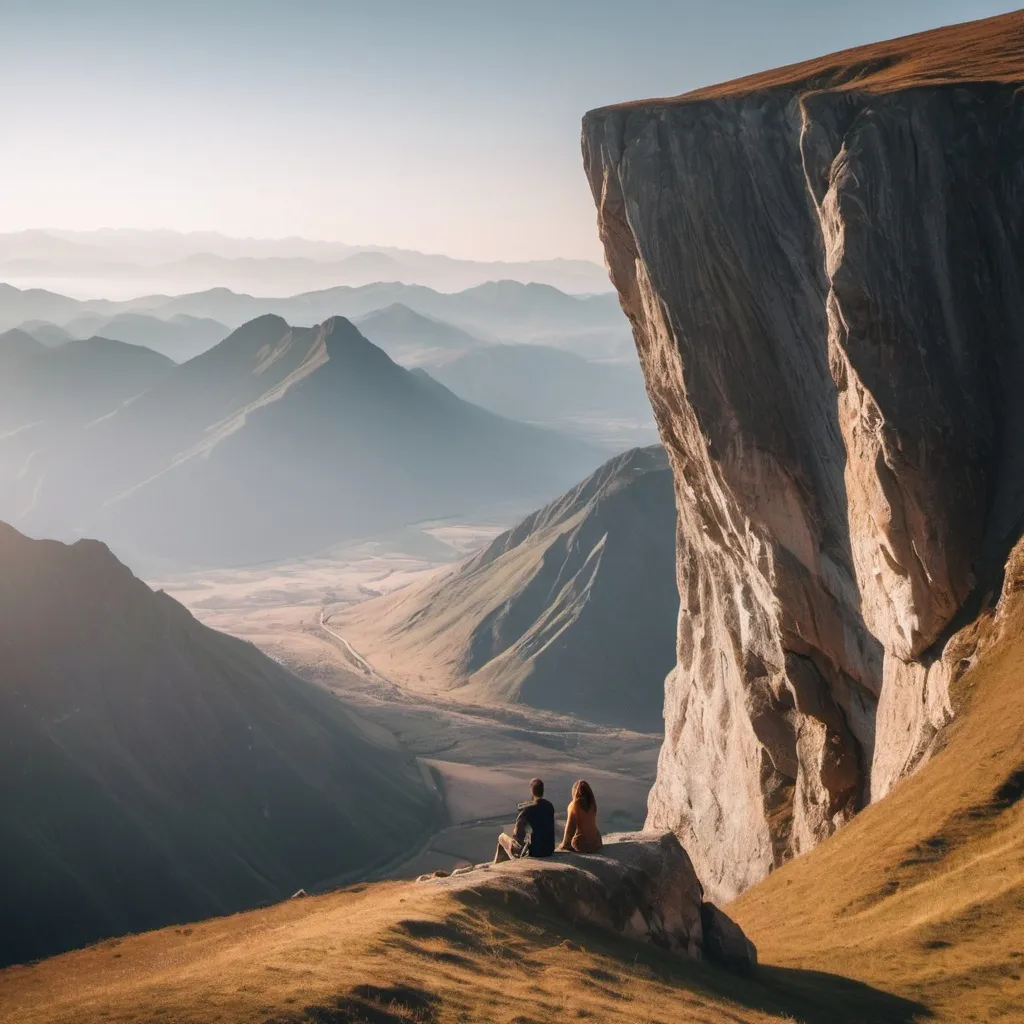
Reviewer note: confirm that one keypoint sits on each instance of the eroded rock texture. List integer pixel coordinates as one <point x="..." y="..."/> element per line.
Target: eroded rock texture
<point x="823" y="267"/>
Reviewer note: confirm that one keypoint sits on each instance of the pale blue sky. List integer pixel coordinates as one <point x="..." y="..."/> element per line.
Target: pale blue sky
<point x="445" y="126"/>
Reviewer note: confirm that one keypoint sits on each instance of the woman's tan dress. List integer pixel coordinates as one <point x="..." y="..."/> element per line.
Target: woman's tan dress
<point x="581" y="831"/>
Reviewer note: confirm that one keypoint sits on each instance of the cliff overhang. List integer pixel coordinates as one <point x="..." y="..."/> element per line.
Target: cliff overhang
<point x="824" y="273"/>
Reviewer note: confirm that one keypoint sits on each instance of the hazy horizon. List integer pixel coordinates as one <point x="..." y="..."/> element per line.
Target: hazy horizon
<point x="451" y="129"/>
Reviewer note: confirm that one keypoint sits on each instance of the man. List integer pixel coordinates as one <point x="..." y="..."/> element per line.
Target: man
<point x="537" y="817"/>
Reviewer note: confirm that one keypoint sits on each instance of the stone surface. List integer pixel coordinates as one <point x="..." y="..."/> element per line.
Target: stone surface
<point x="641" y="885"/>
<point x="724" y="941"/>
<point x="823" y="269"/>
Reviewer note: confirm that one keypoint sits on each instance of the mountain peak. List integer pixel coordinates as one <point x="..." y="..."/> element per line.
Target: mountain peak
<point x="19" y="343"/>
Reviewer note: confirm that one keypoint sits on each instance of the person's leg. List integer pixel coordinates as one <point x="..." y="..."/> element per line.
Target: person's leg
<point x="506" y="848"/>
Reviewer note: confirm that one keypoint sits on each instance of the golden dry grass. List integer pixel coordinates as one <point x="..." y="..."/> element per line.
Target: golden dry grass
<point x="989" y="50"/>
<point x="923" y="893"/>
<point x="395" y="952"/>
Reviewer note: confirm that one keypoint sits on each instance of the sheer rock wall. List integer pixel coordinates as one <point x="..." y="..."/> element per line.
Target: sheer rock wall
<point x="824" y="276"/>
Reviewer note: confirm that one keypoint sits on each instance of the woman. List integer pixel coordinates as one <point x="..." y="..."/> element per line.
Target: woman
<point x="581" y="832"/>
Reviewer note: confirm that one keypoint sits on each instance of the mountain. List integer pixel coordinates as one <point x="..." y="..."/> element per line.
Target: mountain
<point x="73" y="383"/>
<point x="172" y="261"/>
<point x="180" y="337"/>
<point x="281" y="440"/>
<point x="154" y="771"/>
<point x="543" y="384"/>
<point x="49" y="334"/>
<point x="412" y="339"/>
<point x="573" y="610"/>
<point x="504" y="310"/>
<point x="17" y="345"/>
<point x="842" y="410"/>
<point x="17" y="306"/>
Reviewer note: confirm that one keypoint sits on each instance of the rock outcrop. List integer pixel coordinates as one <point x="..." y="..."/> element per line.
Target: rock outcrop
<point x="823" y="268"/>
<point x="641" y="885"/>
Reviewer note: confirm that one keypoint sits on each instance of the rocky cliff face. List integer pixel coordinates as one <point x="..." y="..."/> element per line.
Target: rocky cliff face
<point x="823" y="268"/>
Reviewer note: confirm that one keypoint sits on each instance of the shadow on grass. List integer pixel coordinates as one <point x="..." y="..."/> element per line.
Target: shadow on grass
<point x="815" y="997"/>
<point x="808" y="997"/>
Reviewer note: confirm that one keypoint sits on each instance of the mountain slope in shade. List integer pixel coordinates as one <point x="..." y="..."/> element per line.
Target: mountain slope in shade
<point x="282" y="440"/>
<point x="573" y="610"/>
<point x="412" y="339"/>
<point x="155" y="771"/>
<point x="544" y="384"/>
<point x="72" y="383"/>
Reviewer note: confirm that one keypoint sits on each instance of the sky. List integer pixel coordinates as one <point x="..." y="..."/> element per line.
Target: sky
<point x="443" y="126"/>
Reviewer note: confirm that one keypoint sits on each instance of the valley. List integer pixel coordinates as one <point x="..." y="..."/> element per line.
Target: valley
<point x="479" y="755"/>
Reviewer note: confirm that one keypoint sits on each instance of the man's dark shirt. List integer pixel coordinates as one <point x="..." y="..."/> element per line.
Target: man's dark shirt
<point x="539" y="817"/>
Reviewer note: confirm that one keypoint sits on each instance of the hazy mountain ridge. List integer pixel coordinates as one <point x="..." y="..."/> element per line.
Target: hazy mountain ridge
<point x="573" y="610"/>
<point x="174" y="261"/>
<point x="495" y="311"/>
<point x="157" y="771"/>
<point x="278" y="441"/>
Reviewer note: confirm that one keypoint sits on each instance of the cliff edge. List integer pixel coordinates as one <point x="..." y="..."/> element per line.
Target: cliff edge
<point x="823" y="270"/>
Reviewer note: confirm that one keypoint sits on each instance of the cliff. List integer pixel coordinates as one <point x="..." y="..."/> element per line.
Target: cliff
<point x="823" y="270"/>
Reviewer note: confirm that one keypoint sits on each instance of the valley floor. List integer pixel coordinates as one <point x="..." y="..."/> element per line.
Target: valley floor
<point x="479" y="757"/>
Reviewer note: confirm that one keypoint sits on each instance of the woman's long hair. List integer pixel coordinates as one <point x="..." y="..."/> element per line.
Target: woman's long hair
<point x="584" y="795"/>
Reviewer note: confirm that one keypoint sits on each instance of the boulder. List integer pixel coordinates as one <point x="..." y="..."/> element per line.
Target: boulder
<point x="641" y="885"/>
<point x="724" y="941"/>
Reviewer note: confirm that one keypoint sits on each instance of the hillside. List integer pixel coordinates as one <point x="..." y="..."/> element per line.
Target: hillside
<point x="154" y="771"/>
<point x="573" y="610"/>
<point x="506" y="945"/>
<point x="923" y="893"/>
<point x="281" y="440"/>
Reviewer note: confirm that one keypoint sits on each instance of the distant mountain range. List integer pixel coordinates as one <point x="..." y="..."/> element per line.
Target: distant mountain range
<point x="276" y="442"/>
<point x="573" y="610"/>
<point x="593" y="326"/>
<point x="168" y="261"/>
<point x="154" y="771"/>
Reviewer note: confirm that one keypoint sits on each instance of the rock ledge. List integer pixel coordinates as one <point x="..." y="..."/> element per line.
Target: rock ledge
<point x="641" y="885"/>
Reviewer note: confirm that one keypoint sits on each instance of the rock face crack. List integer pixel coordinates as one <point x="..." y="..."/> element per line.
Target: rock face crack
<point x="825" y="287"/>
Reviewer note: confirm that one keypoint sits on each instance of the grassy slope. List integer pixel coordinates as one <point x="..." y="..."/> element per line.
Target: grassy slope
<point x="396" y="952"/>
<point x="923" y="893"/>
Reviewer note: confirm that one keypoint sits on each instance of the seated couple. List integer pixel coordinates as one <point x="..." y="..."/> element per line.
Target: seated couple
<point x="534" y="831"/>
